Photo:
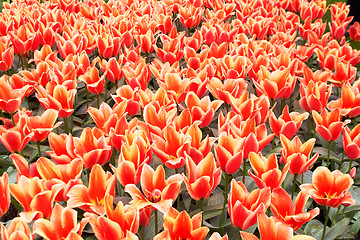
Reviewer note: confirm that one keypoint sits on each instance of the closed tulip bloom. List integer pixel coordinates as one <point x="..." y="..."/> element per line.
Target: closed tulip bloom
<point x="349" y="103"/>
<point x="351" y="141"/>
<point x="92" y="148"/>
<point x="267" y="172"/>
<point x="287" y="124"/>
<point x="4" y="194"/>
<point x="297" y="154"/>
<point x="182" y="226"/>
<point x="282" y="207"/>
<point x="202" y="178"/>
<point x="244" y="206"/>
<point x="10" y="99"/>
<point x="270" y="230"/>
<point x="330" y="188"/>
<point x="314" y="96"/>
<point x="328" y="124"/>
<point x="229" y="153"/>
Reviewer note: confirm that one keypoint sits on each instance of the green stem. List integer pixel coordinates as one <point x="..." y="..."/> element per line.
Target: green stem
<point x="328" y="156"/>
<point x="71" y="123"/>
<point x="293" y="187"/>
<point x="66" y="125"/>
<point x="342" y="159"/>
<point x="244" y="170"/>
<point x="105" y="92"/>
<point x="226" y="191"/>
<point x="98" y="101"/>
<point x="309" y="127"/>
<point x="290" y="103"/>
<point x="143" y="232"/>
<point x="156" y="221"/>
<point x="240" y="238"/>
<point x="87" y="103"/>
<point x="350" y="165"/>
<point x="325" y="223"/>
<point x="39" y="149"/>
<point x="336" y="214"/>
<point x="12" y="118"/>
<point x="282" y="104"/>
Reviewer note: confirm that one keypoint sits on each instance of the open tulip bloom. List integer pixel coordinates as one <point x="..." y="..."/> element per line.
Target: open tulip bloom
<point x="179" y="119"/>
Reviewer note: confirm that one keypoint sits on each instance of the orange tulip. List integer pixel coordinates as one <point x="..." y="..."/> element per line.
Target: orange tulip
<point x="217" y="236"/>
<point x="277" y="84"/>
<point x="344" y="73"/>
<point x="130" y="96"/>
<point x="329" y="124"/>
<point x="17" y="229"/>
<point x="59" y="98"/>
<point x="329" y="188"/>
<point x="314" y="96"/>
<point x="112" y="68"/>
<point x="244" y="206"/>
<point x="297" y="154"/>
<point x="181" y="226"/>
<point x="201" y="109"/>
<point x="287" y="124"/>
<point x="135" y="152"/>
<point x="4" y="194"/>
<point x="6" y="54"/>
<point x="159" y="193"/>
<point x="92" y="147"/>
<point x="10" y="99"/>
<point x="202" y="178"/>
<point x="229" y="153"/>
<point x="230" y="88"/>
<point x="171" y="147"/>
<point x="351" y="142"/>
<point x="269" y="229"/>
<point x="190" y="16"/>
<point x="108" y="46"/>
<point x="283" y="209"/>
<point x="91" y="199"/>
<point x="171" y="49"/>
<point x="267" y="172"/>
<point x="33" y="196"/>
<point x="23" y="168"/>
<point x="349" y="103"/>
<point x="62" y="148"/>
<point x="94" y="83"/>
<point x="42" y="125"/>
<point x="354" y="32"/>
<point x="62" y="224"/>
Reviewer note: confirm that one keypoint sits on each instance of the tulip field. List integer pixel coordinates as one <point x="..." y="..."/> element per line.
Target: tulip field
<point x="179" y="119"/>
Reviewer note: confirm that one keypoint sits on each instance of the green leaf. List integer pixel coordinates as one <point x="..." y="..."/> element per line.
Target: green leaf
<point x="337" y="229"/>
<point x="313" y="227"/>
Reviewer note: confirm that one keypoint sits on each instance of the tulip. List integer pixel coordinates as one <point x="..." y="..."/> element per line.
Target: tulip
<point x="314" y="96"/>
<point x="159" y="193"/>
<point x="349" y="103"/>
<point x="287" y="124"/>
<point x="131" y="98"/>
<point x="351" y="143"/>
<point x="283" y="209"/>
<point x="59" y="98"/>
<point x="202" y="178"/>
<point x="10" y="100"/>
<point x="17" y="229"/>
<point x="344" y="73"/>
<point x="201" y="109"/>
<point x="229" y="153"/>
<point x="94" y="83"/>
<point x="329" y="188"/>
<point x="190" y="16"/>
<point x="230" y="88"/>
<point x="112" y="68"/>
<point x="4" y="194"/>
<point x="62" y="148"/>
<point x="108" y="46"/>
<point x="62" y="223"/>
<point x="181" y="226"/>
<point x="244" y="206"/>
<point x="328" y="124"/>
<point x="137" y="75"/>
<point x="23" y="168"/>
<point x="277" y="84"/>
<point x="92" y="148"/>
<point x="269" y="229"/>
<point x="34" y="198"/>
<point x="170" y="51"/>
<point x="267" y="172"/>
<point x="6" y="55"/>
<point x="297" y="154"/>
<point x="354" y="32"/>
<point x="91" y="199"/>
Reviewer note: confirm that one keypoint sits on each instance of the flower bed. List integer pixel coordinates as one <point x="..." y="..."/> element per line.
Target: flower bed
<point x="179" y="119"/>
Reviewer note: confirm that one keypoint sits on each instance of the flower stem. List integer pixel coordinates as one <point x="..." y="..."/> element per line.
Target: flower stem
<point x="98" y="101"/>
<point x="293" y="187"/>
<point x="156" y="221"/>
<point x="226" y="190"/>
<point x="240" y="238"/>
<point x="39" y="149"/>
<point x="328" y="156"/>
<point x="12" y="118"/>
<point x="244" y="170"/>
<point x="350" y="165"/>
<point x="325" y="223"/>
<point x="66" y="125"/>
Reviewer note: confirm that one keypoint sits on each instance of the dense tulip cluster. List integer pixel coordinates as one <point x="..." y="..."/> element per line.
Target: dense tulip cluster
<point x="174" y="119"/>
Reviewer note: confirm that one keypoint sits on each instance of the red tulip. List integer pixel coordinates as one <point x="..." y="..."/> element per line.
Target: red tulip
<point x="4" y="194"/>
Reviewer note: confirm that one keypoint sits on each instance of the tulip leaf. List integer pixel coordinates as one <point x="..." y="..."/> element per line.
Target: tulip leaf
<point x="337" y="229"/>
<point x="313" y="227"/>
<point x="355" y="227"/>
<point x="354" y="208"/>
